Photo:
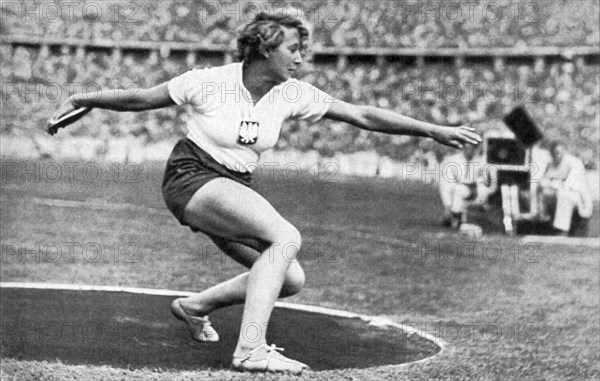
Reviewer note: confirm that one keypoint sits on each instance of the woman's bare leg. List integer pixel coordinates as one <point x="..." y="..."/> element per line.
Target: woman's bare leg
<point x="233" y="291"/>
<point x="233" y="212"/>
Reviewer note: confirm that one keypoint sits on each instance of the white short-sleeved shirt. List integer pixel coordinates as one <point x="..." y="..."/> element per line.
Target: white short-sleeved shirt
<point x="228" y="125"/>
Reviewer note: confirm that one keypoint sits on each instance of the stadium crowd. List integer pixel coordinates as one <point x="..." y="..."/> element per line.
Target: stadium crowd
<point x="355" y="23"/>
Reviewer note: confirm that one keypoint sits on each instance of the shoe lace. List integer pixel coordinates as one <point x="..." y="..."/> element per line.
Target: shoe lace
<point x="200" y="321"/>
<point x="274" y="348"/>
<point x="270" y="349"/>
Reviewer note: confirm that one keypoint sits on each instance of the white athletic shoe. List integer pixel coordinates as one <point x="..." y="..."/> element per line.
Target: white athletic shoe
<point x="200" y="327"/>
<point x="266" y="359"/>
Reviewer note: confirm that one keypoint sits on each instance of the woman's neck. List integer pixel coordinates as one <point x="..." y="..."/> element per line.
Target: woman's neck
<point x="256" y="78"/>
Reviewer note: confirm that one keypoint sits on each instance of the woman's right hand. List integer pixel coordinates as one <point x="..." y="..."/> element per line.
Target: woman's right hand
<point x="65" y="108"/>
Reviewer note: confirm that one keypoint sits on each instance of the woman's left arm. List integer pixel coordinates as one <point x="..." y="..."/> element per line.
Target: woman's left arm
<point x="380" y="120"/>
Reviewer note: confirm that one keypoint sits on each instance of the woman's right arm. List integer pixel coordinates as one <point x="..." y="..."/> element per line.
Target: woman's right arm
<point x="134" y="99"/>
<point x="118" y="100"/>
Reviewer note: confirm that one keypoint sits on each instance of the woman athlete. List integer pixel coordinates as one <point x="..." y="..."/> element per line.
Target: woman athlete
<point x="238" y="110"/>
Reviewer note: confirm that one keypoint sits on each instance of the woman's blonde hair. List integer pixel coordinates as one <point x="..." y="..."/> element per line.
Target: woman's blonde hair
<point x="265" y="33"/>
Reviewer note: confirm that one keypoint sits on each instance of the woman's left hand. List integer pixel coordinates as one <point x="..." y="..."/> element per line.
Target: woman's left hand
<point x="456" y="136"/>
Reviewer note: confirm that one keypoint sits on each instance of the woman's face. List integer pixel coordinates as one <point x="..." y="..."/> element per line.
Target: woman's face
<point x="285" y="60"/>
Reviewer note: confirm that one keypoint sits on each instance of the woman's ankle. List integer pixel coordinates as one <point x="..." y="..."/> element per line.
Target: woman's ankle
<point x="194" y="308"/>
<point x="242" y="349"/>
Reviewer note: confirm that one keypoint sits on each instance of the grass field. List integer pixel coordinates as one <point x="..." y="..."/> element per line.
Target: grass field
<point x="510" y="310"/>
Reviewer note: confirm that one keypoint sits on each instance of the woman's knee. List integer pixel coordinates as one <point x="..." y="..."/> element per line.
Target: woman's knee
<point x="294" y="280"/>
<point x="289" y="239"/>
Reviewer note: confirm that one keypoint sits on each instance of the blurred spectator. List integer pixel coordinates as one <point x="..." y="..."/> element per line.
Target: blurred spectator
<point x="564" y="190"/>
<point x="464" y="181"/>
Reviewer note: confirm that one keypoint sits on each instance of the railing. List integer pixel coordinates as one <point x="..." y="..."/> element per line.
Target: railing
<point x="380" y="55"/>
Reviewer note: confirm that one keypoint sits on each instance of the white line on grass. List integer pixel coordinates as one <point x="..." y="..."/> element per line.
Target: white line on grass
<point x="560" y="240"/>
<point x="96" y="205"/>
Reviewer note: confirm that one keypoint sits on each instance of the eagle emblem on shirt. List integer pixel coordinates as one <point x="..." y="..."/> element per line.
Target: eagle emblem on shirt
<point x="248" y="132"/>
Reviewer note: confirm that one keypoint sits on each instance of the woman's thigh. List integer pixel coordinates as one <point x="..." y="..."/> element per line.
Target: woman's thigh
<point x="242" y="254"/>
<point x="246" y="256"/>
<point x="225" y="209"/>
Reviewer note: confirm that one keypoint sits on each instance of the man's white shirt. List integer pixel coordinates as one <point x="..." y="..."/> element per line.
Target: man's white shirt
<point x="227" y="124"/>
<point x="457" y="169"/>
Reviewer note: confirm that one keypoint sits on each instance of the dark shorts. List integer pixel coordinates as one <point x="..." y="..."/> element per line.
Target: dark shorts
<point x="188" y="169"/>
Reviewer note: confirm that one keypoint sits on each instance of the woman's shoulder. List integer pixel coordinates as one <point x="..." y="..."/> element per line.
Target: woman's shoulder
<point x="229" y="68"/>
<point x="306" y="89"/>
<point x="298" y="82"/>
<point x="226" y="71"/>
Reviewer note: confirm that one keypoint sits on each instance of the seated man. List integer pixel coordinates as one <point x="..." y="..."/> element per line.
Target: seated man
<point x="564" y="189"/>
<point x="464" y="181"/>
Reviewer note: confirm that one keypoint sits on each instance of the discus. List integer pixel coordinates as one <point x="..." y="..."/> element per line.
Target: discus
<point x="66" y="119"/>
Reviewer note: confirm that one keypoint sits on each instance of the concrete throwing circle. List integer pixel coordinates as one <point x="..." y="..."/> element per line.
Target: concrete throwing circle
<point x="133" y="328"/>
